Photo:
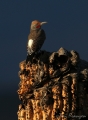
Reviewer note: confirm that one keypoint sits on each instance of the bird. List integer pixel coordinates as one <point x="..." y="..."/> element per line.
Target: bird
<point x="36" y="37"/>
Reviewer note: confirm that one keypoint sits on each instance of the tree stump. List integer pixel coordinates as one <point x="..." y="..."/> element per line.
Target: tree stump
<point x="53" y="86"/>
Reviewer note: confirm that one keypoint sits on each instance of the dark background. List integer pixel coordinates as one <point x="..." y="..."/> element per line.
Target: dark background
<point x="67" y="27"/>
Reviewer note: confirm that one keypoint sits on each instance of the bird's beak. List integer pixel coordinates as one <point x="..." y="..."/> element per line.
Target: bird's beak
<point x="43" y="23"/>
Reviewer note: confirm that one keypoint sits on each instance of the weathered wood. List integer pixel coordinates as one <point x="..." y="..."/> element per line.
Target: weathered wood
<point x="53" y="86"/>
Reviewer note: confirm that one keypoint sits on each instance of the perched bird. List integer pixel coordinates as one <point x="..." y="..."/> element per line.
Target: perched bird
<point x="36" y="37"/>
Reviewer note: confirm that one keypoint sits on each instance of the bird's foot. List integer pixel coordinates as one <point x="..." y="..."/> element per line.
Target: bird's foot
<point x="27" y="59"/>
<point x="41" y="51"/>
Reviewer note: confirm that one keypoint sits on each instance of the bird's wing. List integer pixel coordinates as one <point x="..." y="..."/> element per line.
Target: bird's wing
<point x="36" y="40"/>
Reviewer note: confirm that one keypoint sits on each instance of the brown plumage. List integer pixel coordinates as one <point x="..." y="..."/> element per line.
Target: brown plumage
<point x="36" y="37"/>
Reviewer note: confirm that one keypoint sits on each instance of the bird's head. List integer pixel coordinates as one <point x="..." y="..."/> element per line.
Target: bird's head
<point x="36" y="25"/>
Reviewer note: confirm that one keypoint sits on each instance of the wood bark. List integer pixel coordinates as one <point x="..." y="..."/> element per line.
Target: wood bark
<point x="53" y="86"/>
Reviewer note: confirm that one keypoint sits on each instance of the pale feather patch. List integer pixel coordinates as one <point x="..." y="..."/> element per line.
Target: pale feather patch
<point x="29" y="49"/>
<point x="30" y="42"/>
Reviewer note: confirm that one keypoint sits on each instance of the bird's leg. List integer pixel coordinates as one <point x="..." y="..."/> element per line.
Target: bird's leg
<point x="41" y="51"/>
<point x="36" y="55"/>
<point x="27" y="59"/>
